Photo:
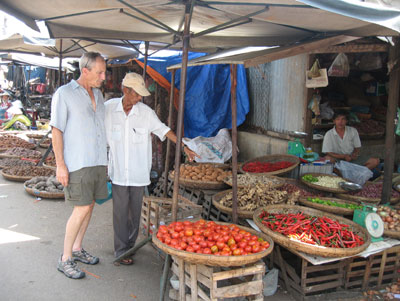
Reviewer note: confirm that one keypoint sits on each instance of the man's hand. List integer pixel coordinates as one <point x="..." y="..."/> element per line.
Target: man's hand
<point x="62" y="174"/>
<point x="354" y="156"/>
<point x="191" y="154"/>
<point x="347" y="158"/>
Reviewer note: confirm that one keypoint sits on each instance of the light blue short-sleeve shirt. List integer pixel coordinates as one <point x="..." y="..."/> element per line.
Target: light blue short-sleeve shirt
<point x="84" y="134"/>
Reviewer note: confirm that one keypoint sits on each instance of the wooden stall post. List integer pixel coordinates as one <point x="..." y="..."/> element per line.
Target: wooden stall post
<point x="234" y="142"/>
<point x="171" y="107"/>
<point x="182" y="91"/>
<point x="394" y="81"/>
<point x="60" y="64"/>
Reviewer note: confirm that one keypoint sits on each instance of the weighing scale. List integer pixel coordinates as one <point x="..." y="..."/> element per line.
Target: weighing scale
<point x="295" y="147"/>
<point x="370" y="220"/>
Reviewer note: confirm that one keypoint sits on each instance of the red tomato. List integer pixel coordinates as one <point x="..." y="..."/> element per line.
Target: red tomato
<point x="226" y="238"/>
<point x="206" y="251"/>
<point x="237" y="252"/>
<point x="203" y="244"/>
<point x="255" y="249"/>
<point x="238" y="237"/>
<point x="224" y="253"/>
<point x="233" y="247"/>
<point x="220" y="245"/>
<point x="190" y="249"/>
<point x="179" y="228"/>
<point x="265" y="244"/>
<point x="254" y="237"/>
<point x="199" y="251"/>
<point x="167" y="240"/>
<point x="210" y="224"/>
<point x="183" y="245"/>
<point x="196" y="247"/>
<point x="242" y="244"/>
<point x="207" y="232"/>
<point x="197" y="238"/>
<point x="247" y="234"/>
<point x="210" y="243"/>
<point x="187" y="224"/>
<point x="216" y="236"/>
<point x="175" y="235"/>
<point x="198" y="231"/>
<point x="226" y="249"/>
<point x="174" y="242"/>
<point x="251" y="242"/>
<point x="188" y="232"/>
<point x="244" y="253"/>
<point x="163" y="229"/>
<point x="231" y="241"/>
<point x="248" y="249"/>
<point x="181" y="234"/>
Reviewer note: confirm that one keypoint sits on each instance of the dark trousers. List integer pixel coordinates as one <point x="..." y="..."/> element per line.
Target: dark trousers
<point x="127" y="206"/>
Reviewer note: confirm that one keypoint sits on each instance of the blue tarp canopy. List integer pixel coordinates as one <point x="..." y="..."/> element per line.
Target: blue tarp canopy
<point x="208" y="98"/>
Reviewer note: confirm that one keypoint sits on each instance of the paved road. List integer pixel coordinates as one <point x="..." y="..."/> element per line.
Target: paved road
<point x="31" y="239"/>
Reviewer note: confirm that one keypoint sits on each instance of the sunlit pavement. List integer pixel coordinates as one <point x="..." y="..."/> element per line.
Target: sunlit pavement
<point x="31" y="240"/>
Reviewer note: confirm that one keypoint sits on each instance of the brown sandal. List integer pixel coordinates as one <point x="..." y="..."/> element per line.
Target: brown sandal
<point x="126" y="261"/>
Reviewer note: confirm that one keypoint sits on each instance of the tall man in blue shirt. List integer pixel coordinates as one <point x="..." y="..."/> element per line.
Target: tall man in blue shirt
<point x="80" y="147"/>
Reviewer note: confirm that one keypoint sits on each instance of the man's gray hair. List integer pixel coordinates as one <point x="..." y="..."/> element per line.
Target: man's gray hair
<point x="88" y="59"/>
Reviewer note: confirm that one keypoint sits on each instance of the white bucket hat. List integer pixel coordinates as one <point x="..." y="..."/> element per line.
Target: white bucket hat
<point x="136" y="82"/>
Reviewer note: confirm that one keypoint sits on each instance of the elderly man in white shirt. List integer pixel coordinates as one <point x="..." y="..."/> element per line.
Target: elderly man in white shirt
<point x="129" y="124"/>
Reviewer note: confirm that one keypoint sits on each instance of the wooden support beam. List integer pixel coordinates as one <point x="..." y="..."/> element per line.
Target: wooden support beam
<point x="284" y="52"/>
<point x="353" y="48"/>
<point x="393" y="98"/>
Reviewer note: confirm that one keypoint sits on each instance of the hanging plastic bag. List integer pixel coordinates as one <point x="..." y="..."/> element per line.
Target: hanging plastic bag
<point x="398" y="123"/>
<point x="316" y="77"/>
<point x="340" y="66"/>
<point x="356" y="173"/>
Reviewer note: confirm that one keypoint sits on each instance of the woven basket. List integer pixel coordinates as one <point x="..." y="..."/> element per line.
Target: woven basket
<point x="44" y="145"/>
<point x="319" y="187"/>
<point x="15" y="178"/>
<point x="330" y="209"/>
<point x="392" y="234"/>
<point x="307" y="248"/>
<point x="241" y="213"/>
<point x="213" y="260"/>
<point x="273" y="158"/>
<point x="2" y="156"/>
<point x="49" y="166"/>
<point x="35" y="136"/>
<point x="278" y="182"/>
<point x="200" y="184"/>
<point x="360" y="199"/>
<point x="43" y="194"/>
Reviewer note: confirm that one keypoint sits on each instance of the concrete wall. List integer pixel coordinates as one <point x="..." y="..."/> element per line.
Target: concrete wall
<point x="256" y="145"/>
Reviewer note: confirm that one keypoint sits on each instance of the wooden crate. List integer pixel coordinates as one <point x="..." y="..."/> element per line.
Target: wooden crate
<point x="214" y="283"/>
<point x="210" y="212"/>
<point x="156" y="210"/>
<point x="303" y="279"/>
<point x="376" y="271"/>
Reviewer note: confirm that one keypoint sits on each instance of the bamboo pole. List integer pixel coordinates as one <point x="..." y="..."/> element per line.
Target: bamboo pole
<point x="171" y="107"/>
<point x="234" y="142"/>
<point x="179" y="130"/>
<point x="60" y="64"/>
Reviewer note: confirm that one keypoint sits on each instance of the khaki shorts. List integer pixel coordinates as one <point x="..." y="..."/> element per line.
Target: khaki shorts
<point x="85" y="185"/>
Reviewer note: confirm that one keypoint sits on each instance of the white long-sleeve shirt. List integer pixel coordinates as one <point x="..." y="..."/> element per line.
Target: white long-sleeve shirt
<point x="129" y="139"/>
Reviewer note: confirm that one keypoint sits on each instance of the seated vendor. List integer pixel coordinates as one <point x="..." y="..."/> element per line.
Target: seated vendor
<point x="342" y="142"/>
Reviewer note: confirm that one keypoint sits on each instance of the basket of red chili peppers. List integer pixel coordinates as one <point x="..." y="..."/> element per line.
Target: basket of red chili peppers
<point x="312" y="231"/>
<point x="270" y="165"/>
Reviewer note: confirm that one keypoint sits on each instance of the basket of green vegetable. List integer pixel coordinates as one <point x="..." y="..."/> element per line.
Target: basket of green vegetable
<point x="324" y="182"/>
<point x="332" y="205"/>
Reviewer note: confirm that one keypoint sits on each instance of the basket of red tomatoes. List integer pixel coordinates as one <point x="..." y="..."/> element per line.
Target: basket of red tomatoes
<point x="213" y="243"/>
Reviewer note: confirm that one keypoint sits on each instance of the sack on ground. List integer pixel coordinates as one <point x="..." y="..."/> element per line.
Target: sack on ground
<point x="356" y="173"/>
